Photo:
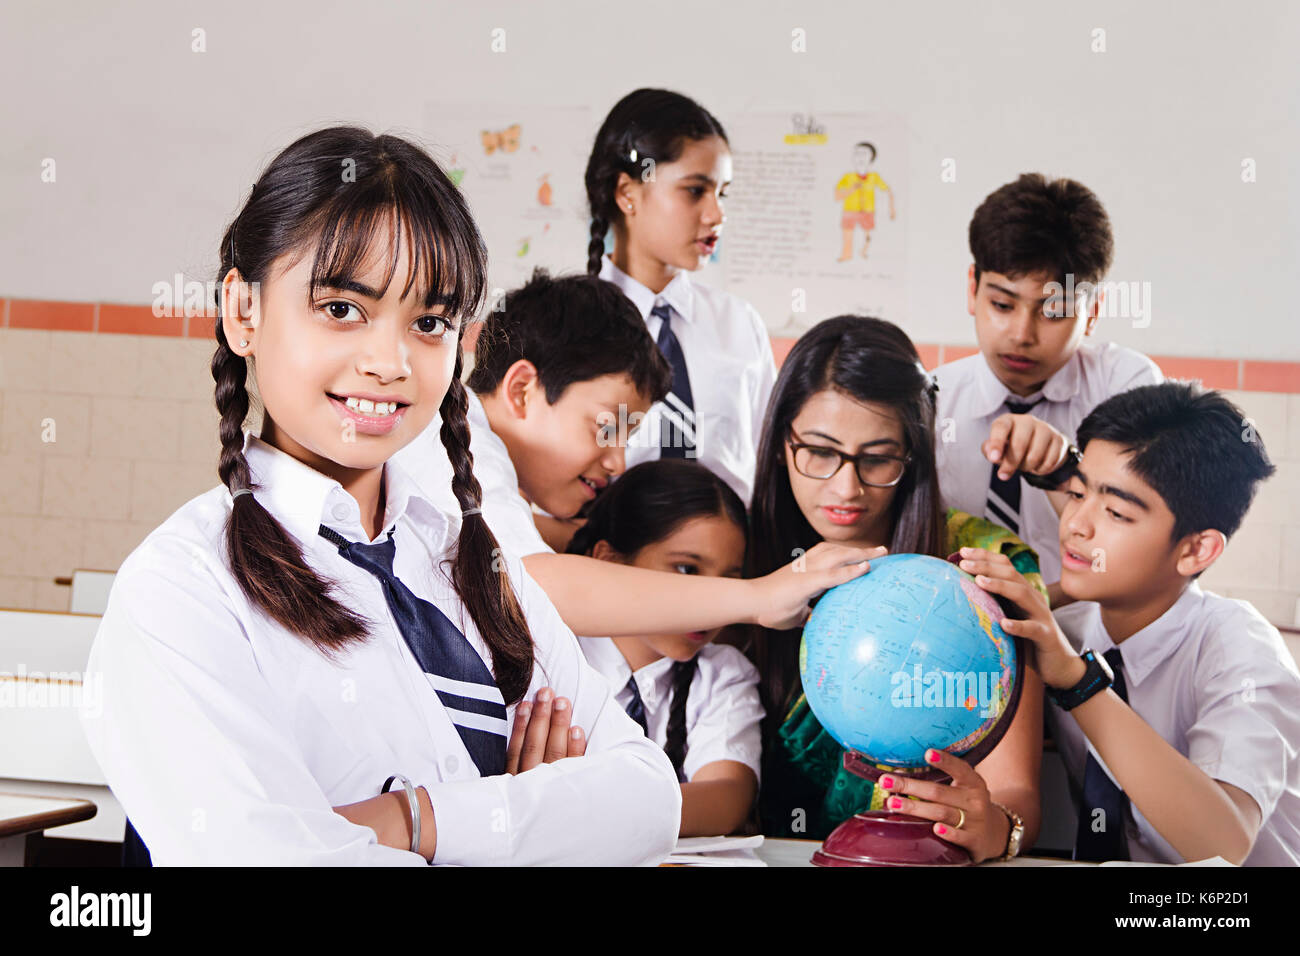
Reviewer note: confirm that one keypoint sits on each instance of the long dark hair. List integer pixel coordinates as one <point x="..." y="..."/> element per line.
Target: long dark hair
<point x="647" y="124"/>
<point x="337" y="188"/>
<point x="645" y="505"/>
<point x="869" y="360"/>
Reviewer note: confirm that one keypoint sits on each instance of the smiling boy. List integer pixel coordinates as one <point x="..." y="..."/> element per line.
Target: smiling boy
<point x="1034" y="364"/>
<point x="556" y="373"/>
<point x="1179" y="721"/>
<point x="563" y="373"/>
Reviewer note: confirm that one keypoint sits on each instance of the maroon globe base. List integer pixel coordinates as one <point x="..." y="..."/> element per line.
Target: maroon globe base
<point x="881" y="838"/>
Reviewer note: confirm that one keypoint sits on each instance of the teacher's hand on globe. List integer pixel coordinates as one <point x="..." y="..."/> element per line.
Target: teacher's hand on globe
<point x="1056" y="661"/>
<point x="963" y="811"/>
<point x="782" y="597"/>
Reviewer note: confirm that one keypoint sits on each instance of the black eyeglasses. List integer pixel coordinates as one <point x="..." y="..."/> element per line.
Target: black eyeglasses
<point x="823" y="462"/>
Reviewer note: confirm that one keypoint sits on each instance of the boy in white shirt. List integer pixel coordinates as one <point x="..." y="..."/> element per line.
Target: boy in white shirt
<point x="1184" y="707"/>
<point x="1032" y="240"/>
<point x="563" y="375"/>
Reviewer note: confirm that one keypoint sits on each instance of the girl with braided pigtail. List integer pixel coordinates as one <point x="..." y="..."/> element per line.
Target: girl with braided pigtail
<point x="697" y="699"/>
<point x="657" y="177"/>
<point x="327" y="622"/>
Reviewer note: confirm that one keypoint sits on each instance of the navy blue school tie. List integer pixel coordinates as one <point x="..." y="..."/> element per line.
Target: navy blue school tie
<point x="454" y="668"/>
<point x="1100" y="793"/>
<point x="636" y="706"/>
<point x="677" y="435"/>
<point x="1003" y="504"/>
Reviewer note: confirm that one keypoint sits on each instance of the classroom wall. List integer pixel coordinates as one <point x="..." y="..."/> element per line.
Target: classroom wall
<point x="156" y="146"/>
<point x="136" y="437"/>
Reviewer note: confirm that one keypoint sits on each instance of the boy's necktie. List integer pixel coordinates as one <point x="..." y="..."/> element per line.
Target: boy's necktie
<point x="454" y="668"/>
<point x="636" y="706"/>
<point x="1003" y="503"/>
<point x="677" y="436"/>
<point x="1101" y="794"/>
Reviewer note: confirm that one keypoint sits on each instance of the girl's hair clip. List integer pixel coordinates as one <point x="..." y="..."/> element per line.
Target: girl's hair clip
<point x="631" y="157"/>
<point x="471" y="511"/>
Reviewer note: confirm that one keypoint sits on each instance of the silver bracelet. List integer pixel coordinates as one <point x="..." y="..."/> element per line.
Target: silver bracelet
<point x="412" y="803"/>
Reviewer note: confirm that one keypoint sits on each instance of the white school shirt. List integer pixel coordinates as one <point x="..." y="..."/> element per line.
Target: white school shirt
<point x="729" y="361"/>
<point x="228" y="740"/>
<point x="507" y="513"/>
<point x="971" y="397"/>
<point x="723" y="710"/>
<point x="1214" y="679"/>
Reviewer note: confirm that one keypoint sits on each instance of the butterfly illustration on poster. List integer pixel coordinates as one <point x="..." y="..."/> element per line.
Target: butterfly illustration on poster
<point x="521" y="168"/>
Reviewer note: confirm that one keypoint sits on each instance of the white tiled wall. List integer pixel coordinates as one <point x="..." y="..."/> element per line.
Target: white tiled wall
<point x="135" y="437"/>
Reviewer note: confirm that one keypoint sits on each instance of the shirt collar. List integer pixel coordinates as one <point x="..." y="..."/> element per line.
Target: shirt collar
<point x="1064" y="385"/>
<point x="990" y="393"/>
<point x="603" y="654"/>
<point x="1146" y="650"/>
<point x="677" y="293"/>
<point x="302" y="498"/>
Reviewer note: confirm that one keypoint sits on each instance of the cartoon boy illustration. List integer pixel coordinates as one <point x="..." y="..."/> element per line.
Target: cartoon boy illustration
<point x="857" y="190"/>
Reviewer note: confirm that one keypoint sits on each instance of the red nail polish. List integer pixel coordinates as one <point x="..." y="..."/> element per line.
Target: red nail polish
<point x="895" y="803"/>
<point x="932" y="756"/>
<point x="942" y="829"/>
<point x="887" y="782"/>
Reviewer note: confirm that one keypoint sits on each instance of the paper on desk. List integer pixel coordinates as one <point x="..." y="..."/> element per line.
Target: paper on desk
<point x="1212" y="861"/>
<point x="717" y="851"/>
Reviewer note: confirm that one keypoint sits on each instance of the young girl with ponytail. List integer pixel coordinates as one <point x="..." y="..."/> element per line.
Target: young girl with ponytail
<point x="697" y="699"/>
<point x="320" y="626"/>
<point x="657" y="176"/>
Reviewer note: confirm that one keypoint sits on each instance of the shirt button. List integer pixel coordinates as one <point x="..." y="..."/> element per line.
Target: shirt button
<point x="340" y="512"/>
<point x="452" y="763"/>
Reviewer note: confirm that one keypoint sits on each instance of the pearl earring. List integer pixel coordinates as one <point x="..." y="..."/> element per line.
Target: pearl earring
<point x="243" y="343"/>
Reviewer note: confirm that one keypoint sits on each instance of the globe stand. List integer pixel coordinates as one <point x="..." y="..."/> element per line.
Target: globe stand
<point x="882" y="838"/>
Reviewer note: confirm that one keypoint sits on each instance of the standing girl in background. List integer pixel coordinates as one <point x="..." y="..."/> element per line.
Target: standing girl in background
<point x="696" y="699"/>
<point x="287" y="645"/>
<point x="848" y="456"/>
<point x="657" y="175"/>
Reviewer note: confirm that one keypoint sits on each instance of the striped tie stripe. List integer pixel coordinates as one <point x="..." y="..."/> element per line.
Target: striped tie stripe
<point x="1002" y="503"/>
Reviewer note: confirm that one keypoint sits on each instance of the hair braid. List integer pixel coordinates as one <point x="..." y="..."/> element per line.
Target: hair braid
<point x="596" y="248"/>
<point x="264" y="558"/>
<point x="478" y="557"/>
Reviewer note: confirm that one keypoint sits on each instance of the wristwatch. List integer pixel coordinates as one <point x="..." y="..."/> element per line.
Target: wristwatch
<point x="1053" y="480"/>
<point x="1096" y="678"/>
<point x="1016" y="834"/>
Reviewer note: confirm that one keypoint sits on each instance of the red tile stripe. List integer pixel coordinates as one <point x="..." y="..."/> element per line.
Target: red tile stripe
<point x="1246" y="374"/>
<point x="1212" y="373"/>
<point x="1270" y="376"/>
<point x="61" y="316"/>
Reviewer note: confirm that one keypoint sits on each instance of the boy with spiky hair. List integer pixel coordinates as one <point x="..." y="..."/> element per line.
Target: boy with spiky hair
<point x="1177" y="711"/>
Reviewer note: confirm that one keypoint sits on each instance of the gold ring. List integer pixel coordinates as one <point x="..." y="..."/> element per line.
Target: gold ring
<point x="962" y="818"/>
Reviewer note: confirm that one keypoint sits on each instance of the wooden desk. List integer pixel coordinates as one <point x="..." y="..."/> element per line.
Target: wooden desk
<point x="799" y="853"/>
<point x="22" y="815"/>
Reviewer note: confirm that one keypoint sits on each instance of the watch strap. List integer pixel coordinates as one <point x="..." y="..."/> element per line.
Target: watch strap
<point x="1053" y="480"/>
<point x="1014" y="835"/>
<point x="1096" y="678"/>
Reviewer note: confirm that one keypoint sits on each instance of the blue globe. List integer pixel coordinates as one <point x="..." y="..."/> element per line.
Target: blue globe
<point x="907" y="657"/>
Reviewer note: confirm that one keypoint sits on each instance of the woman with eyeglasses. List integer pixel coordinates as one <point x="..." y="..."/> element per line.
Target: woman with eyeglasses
<point x="848" y="455"/>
